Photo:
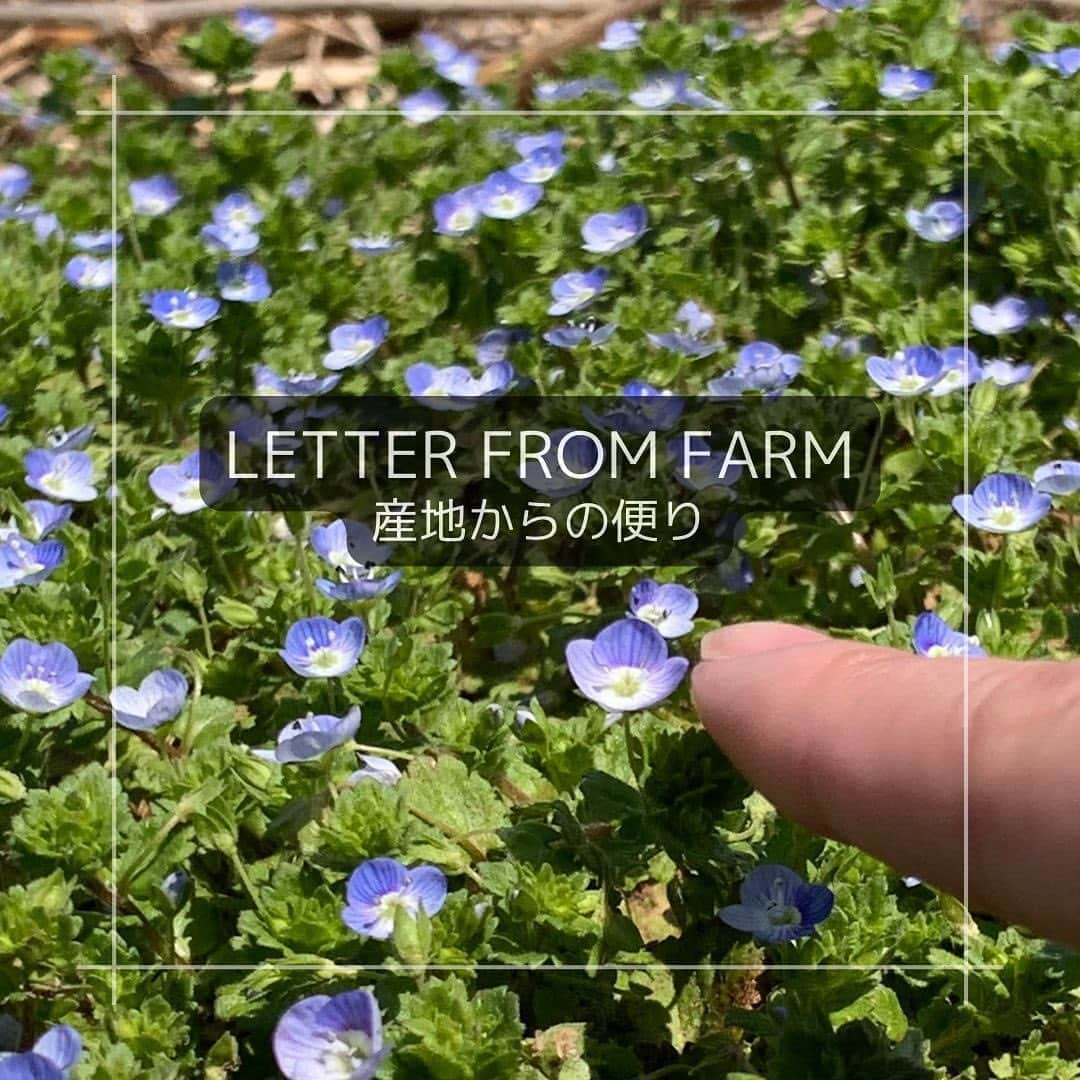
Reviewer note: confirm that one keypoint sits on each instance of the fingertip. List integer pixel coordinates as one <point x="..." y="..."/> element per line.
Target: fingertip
<point x="751" y="638"/>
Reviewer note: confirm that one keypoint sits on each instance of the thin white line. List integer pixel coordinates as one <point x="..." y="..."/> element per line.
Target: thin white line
<point x="475" y="114"/>
<point x="553" y="968"/>
<point x="114" y="394"/>
<point x="965" y="666"/>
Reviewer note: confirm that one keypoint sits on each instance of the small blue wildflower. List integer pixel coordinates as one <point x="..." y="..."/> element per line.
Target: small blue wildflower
<point x="960" y="367"/>
<point x="605" y="233"/>
<point x="941" y="221"/>
<point x="299" y="187"/>
<point x="380" y="769"/>
<point x="244" y="282"/>
<point x="576" y="290"/>
<point x="662" y="89"/>
<point x="155" y="196"/>
<point x="67" y="475"/>
<point x="621" y="34"/>
<point x="181" y="486"/>
<point x="574" y="89"/>
<point x="322" y="648"/>
<point x="844" y="5"/>
<point x="565" y="466"/>
<point x="912" y="371"/>
<point x="234" y="242"/>
<point x="159" y="699"/>
<point x="539" y="167"/>
<point x="626" y="667"/>
<point x="761" y="366"/>
<point x="902" y="83"/>
<point x="454" y="388"/>
<point x="46" y="226"/>
<point x="89" y="273"/>
<point x="345" y="543"/>
<point x="736" y="572"/>
<point x="183" y="309"/>
<point x="14" y="182"/>
<point x="50" y="1059"/>
<point x="494" y="346"/>
<point x="1065" y="62"/>
<point x="23" y="562"/>
<point x="690" y="338"/>
<point x="359" y="583"/>
<point x="379" y="888"/>
<point x="437" y="48"/>
<point x="1057" y="478"/>
<point x="256" y="26"/>
<point x="461" y="68"/>
<point x="699" y="467"/>
<point x="502" y="197"/>
<point x="322" y="1037"/>
<point x="670" y="608"/>
<point x="579" y="332"/>
<point x="46" y="517"/>
<point x="777" y="905"/>
<point x="642" y="408"/>
<point x="75" y="439"/>
<point x="296" y="384"/>
<point x="457" y="212"/>
<point x="376" y="244"/>
<point x="353" y="344"/>
<point x="1005" y="373"/>
<point x="311" y="736"/>
<point x="176" y="885"/>
<point x="41" y="678"/>
<point x="1003" y="503"/>
<point x="526" y="145"/>
<point x="97" y="243"/>
<point x="238" y="211"/>
<point x="932" y="636"/>
<point x="1006" y="316"/>
<point x="423" y="107"/>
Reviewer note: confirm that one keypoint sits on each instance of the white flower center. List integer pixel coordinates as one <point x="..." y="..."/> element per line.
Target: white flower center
<point x="1004" y="515"/>
<point x="626" y="682"/>
<point x="326" y="658"/>
<point x="345" y="1051"/>
<point x="783" y="914"/>
<point x="652" y="613"/>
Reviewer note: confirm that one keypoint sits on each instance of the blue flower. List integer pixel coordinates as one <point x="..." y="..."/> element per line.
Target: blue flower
<point x="159" y="699"/>
<point x="670" y="608"/>
<point x="296" y="384"/>
<point x="299" y="187"/>
<point x="237" y="211"/>
<point x="322" y="648"/>
<point x="181" y="486"/>
<point x="698" y="466"/>
<point x="41" y="678"/>
<point x="576" y="290"/>
<point x="381" y="244"/>
<point x="457" y="212"/>
<point x="1008" y="315"/>
<point x="359" y="583"/>
<point x="184" y="309"/>
<point x="932" y="636"/>
<point x="311" y="736"/>
<point x="605" y="233"/>
<point x="46" y="517"/>
<point x="1003" y="373"/>
<point x="353" y="344"/>
<point x="581" y="332"/>
<point x="22" y="562"/>
<point x="350" y="548"/>
<point x="437" y="47"/>
<point x="941" y="221"/>
<point x="662" y="89"/>
<point x="379" y="769"/>
<point x="87" y="272"/>
<point x="1065" y="62"/>
<point x="255" y="26"/>
<point x="176" y="885"/>
<point x="245" y="282"/>
<point x="14" y="181"/>
<point x="76" y="439"/>
<point x="461" y="68"/>
<point x="960" y="367"/>
<point x="236" y="243"/>
<point x="621" y="34"/>
<point x="97" y="243"/>
<point x="626" y="667"/>
<point x="454" y="388"/>
<point x="902" y="83"/>
<point x="573" y="89"/>
<point x="45" y="226"/>
<point x="761" y="366"/>
<point x="378" y="888"/>
<point x="67" y="475"/>
<point x="1057" y="478"/>
<point x="501" y="196"/>
<point x="1003" y="503"/>
<point x="912" y="371"/>
<point x="693" y="324"/>
<point x="494" y="345"/>
<point x="423" y="107"/>
<point x="526" y="145"/>
<point x="50" y="1059"/>
<point x="844" y="5"/>
<point x="643" y="408"/>
<point x="322" y="1037"/>
<point x="565" y="467"/>
<point x="540" y="166"/>
<point x="777" y="905"/>
<point x="155" y="196"/>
